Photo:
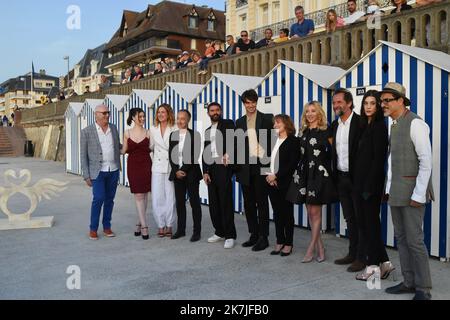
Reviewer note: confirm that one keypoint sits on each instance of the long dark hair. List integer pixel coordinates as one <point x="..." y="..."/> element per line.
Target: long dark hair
<point x="133" y="113"/>
<point x="379" y="115"/>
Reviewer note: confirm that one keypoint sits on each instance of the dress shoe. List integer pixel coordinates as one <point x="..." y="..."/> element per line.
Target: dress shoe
<point x="251" y="242"/>
<point x="286" y="254"/>
<point x="356" y="266"/>
<point x="215" y="239"/>
<point x="178" y="235"/>
<point x="261" y="244"/>
<point x="93" y="235"/>
<point x="275" y="252"/>
<point x="195" y="238"/>
<point x="400" y="289"/>
<point x="422" y="295"/>
<point x="108" y="233"/>
<point x="346" y="260"/>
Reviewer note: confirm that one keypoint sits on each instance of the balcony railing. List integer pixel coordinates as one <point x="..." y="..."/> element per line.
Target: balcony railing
<point x="420" y="27"/>
<point x="319" y="18"/>
<point x="142" y="46"/>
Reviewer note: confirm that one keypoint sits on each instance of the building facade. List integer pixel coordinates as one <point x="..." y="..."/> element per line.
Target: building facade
<point x="162" y="30"/>
<point x="18" y="93"/>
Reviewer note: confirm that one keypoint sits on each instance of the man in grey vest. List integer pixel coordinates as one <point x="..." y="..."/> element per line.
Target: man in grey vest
<point x="408" y="189"/>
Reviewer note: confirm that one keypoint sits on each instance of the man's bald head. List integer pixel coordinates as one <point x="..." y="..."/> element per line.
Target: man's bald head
<point x="102" y="115"/>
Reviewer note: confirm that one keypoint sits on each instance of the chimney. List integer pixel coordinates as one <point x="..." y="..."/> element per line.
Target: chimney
<point x="42" y="72"/>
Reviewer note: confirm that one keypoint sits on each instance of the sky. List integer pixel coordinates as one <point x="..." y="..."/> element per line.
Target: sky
<point x="36" y="30"/>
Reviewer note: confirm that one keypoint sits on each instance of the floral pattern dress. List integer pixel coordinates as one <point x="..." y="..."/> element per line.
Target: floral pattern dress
<point x="312" y="181"/>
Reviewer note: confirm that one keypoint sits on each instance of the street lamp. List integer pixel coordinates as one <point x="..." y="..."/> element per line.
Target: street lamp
<point x="68" y="70"/>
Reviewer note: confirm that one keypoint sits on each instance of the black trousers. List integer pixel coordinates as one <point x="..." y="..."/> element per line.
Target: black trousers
<point x="220" y="193"/>
<point x="283" y="212"/>
<point x="369" y="228"/>
<point x="256" y="203"/>
<point x="347" y="199"/>
<point x="192" y="188"/>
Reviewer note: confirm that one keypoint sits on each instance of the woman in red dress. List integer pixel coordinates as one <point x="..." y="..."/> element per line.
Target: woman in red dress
<point x="137" y="145"/>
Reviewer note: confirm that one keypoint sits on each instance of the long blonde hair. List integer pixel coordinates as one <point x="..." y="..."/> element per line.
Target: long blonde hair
<point x="322" y="118"/>
<point x="170" y="115"/>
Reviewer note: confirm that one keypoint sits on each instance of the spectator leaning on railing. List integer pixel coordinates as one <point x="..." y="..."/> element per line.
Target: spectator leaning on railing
<point x="267" y="41"/>
<point x="400" y="5"/>
<point x="184" y="60"/>
<point x="138" y="74"/>
<point x="284" y="36"/>
<point x="231" y="49"/>
<point x="245" y="43"/>
<point x="303" y="27"/>
<point x="333" y="21"/>
<point x="127" y="76"/>
<point x="354" y="15"/>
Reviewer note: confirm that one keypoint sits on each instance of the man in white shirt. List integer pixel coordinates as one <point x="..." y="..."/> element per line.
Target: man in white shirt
<point x="100" y="163"/>
<point x="408" y="189"/>
<point x="184" y="154"/>
<point x="354" y="15"/>
<point x="346" y="134"/>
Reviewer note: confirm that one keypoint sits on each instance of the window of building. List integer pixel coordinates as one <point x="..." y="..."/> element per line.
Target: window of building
<point x="211" y="22"/>
<point x="276" y="12"/>
<point x="243" y="22"/>
<point x="125" y="30"/>
<point x="193" y="19"/>
<point x="264" y="14"/>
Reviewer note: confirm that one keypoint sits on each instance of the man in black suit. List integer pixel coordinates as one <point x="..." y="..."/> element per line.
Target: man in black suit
<point x="184" y="154"/>
<point x="257" y="144"/>
<point x="346" y="134"/>
<point x="218" y="173"/>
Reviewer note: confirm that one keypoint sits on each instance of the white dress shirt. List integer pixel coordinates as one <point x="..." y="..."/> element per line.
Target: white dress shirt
<point x="273" y="157"/>
<point x="342" y="144"/>
<point x="213" y="141"/>
<point x="107" y="144"/>
<point x="420" y="133"/>
<point x="354" y="17"/>
<point x="180" y="148"/>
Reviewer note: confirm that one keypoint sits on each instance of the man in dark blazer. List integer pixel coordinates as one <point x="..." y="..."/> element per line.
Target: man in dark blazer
<point x="346" y="134"/>
<point x="184" y="154"/>
<point x="218" y="174"/>
<point x="257" y="144"/>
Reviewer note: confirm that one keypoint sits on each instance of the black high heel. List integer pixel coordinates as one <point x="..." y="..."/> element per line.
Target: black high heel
<point x="146" y="237"/>
<point x="275" y="253"/>
<point x="138" y="233"/>
<point x="286" y="254"/>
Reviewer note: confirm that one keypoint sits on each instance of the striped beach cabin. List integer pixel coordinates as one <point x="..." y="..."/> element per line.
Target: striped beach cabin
<point x="180" y="96"/>
<point x="144" y="99"/>
<point x="425" y="74"/>
<point x="225" y="89"/>
<point x="73" y="129"/>
<point x="115" y="104"/>
<point x="286" y="90"/>
<point x="88" y="112"/>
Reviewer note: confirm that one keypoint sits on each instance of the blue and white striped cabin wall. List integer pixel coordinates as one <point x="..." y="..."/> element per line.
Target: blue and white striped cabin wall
<point x="133" y="102"/>
<point x="177" y="102"/>
<point x="232" y="109"/>
<point x="69" y="119"/>
<point x="427" y="86"/>
<point x="73" y="132"/>
<point x="114" y="110"/>
<point x="295" y="91"/>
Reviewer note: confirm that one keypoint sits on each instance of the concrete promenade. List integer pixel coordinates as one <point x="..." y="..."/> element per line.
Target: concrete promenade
<point x="33" y="263"/>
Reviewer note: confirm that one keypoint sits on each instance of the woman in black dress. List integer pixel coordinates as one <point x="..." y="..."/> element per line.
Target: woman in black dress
<point x="369" y="183"/>
<point x="313" y="184"/>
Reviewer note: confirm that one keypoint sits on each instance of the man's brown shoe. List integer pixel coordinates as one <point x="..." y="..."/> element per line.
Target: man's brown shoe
<point x="356" y="266"/>
<point x="346" y="260"/>
<point x="108" y="233"/>
<point x="93" y="235"/>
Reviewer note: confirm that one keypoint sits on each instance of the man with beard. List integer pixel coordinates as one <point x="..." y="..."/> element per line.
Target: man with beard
<point x="217" y="174"/>
<point x="346" y="134"/>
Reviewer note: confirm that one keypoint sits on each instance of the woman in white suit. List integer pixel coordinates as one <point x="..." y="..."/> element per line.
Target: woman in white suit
<point x="163" y="197"/>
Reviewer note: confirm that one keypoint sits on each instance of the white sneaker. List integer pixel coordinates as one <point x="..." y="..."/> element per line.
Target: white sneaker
<point x="215" y="239"/>
<point x="229" y="244"/>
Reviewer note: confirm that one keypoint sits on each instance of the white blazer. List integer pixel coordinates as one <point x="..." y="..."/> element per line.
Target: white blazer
<point x="160" y="149"/>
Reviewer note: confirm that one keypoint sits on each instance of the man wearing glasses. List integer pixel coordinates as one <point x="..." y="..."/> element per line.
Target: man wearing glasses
<point x="100" y="163"/>
<point x="408" y="189"/>
<point x="245" y="43"/>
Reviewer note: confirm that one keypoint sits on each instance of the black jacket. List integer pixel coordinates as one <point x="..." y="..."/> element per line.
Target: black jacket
<point x="263" y="122"/>
<point x="371" y="159"/>
<point x="354" y="136"/>
<point x="191" y="151"/>
<point x="287" y="158"/>
<point x="223" y="126"/>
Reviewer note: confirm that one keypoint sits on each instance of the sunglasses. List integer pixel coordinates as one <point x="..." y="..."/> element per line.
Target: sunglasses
<point x="388" y="100"/>
<point x="244" y="35"/>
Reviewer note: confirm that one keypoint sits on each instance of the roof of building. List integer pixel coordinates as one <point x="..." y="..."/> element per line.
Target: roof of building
<point x="165" y="18"/>
<point x="117" y="100"/>
<point x="90" y="55"/>
<point x="239" y="83"/>
<point x="24" y="83"/>
<point x="187" y="91"/>
<point x="76" y="107"/>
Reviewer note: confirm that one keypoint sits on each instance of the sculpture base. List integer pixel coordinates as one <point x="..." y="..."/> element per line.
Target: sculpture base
<point x="36" y="223"/>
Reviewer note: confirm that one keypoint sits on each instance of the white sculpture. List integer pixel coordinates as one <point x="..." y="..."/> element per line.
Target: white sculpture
<point x="45" y="188"/>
